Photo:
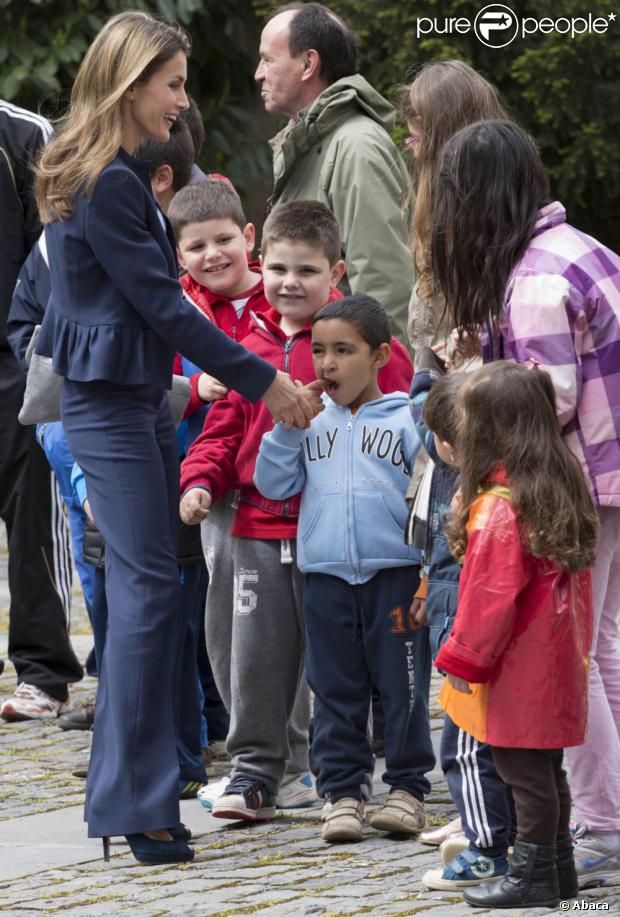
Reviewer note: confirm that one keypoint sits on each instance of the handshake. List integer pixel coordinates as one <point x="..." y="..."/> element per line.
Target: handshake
<point x="291" y="403"/>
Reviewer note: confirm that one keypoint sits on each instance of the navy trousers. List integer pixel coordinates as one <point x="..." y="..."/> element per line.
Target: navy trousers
<point x="482" y="798"/>
<point x="357" y="636"/>
<point x="124" y="439"/>
<point x="185" y="679"/>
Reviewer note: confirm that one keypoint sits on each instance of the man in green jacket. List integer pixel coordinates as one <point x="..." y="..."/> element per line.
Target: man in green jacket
<point x="336" y="148"/>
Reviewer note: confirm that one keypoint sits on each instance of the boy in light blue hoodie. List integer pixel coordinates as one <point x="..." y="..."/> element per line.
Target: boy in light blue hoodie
<point x="352" y="467"/>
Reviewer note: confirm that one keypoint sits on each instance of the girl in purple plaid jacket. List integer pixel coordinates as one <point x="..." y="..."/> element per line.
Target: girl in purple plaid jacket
<point x="534" y="289"/>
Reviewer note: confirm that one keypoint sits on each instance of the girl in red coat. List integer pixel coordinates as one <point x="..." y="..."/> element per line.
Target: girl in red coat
<point x="517" y="656"/>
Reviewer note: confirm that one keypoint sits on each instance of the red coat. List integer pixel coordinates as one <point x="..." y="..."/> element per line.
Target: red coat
<point x="224" y="455"/>
<point x="521" y="637"/>
<point x="222" y="312"/>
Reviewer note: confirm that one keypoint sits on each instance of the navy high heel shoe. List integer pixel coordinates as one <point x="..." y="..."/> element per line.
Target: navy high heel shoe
<point x="180" y="833"/>
<point x="147" y="850"/>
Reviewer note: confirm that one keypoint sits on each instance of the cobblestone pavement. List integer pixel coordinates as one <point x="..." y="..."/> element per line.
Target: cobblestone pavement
<point x="277" y="869"/>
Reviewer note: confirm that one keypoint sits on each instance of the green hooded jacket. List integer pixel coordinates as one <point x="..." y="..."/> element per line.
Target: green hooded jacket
<point x="340" y="153"/>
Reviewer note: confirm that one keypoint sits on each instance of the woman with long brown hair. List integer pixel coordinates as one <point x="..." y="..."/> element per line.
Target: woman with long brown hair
<point x="115" y="318"/>
<point x="444" y="97"/>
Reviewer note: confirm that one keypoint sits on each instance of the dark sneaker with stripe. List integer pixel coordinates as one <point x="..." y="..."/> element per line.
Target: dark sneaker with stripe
<point x="245" y="799"/>
<point x="188" y="789"/>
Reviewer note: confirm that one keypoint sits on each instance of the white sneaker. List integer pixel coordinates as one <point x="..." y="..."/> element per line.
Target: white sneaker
<point x="245" y="799"/>
<point x="597" y="862"/>
<point x="212" y="791"/>
<point x="435" y="837"/>
<point x="31" y="703"/>
<point x="343" y="820"/>
<point x="297" y="791"/>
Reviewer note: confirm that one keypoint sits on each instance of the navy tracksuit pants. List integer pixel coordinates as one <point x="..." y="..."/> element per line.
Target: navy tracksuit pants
<point x="123" y="437"/>
<point x="357" y="636"/>
<point x="39" y="564"/>
<point x="482" y="798"/>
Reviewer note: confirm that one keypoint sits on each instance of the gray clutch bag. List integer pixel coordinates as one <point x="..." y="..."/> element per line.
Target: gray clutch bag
<point x="42" y="396"/>
<point x="43" y="386"/>
<point x="179" y="396"/>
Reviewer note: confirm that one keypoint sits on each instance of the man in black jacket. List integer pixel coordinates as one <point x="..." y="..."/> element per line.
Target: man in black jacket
<point x="30" y="503"/>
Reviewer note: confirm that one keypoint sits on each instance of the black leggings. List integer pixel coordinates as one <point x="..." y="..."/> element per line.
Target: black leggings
<point x="540" y="791"/>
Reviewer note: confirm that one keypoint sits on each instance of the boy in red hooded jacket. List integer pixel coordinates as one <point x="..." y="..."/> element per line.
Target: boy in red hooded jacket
<point x="301" y="267"/>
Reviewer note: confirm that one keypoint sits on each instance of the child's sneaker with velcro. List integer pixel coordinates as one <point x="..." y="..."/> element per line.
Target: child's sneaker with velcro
<point x="451" y="848"/>
<point x="245" y="799"/>
<point x="343" y="820"/>
<point x="403" y="813"/>
<point x="470" y="867"/>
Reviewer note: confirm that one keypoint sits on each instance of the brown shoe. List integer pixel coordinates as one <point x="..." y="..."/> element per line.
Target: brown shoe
<point x="81" y="718"/>
<point x="80" y="770"/>
<point x="402" y="814"/>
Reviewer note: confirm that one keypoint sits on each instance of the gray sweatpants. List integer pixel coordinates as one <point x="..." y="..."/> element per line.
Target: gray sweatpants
<point x="255" y="640"/>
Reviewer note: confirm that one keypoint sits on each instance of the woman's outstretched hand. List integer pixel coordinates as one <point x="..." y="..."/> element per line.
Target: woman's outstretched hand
<point x="291" y="403"/>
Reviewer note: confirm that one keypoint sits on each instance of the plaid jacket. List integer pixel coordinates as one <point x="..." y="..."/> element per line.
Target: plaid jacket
<point x="562" y="310"/>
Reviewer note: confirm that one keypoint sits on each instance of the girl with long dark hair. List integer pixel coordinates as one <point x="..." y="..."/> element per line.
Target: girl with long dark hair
<point x="525" y="529"/>
<point x="535" y="289"/>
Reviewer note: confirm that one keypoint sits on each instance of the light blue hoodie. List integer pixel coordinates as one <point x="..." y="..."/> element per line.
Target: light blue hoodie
<point x="353" y="470"/>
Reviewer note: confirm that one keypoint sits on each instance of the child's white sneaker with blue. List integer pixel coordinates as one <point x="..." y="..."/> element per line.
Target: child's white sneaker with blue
<point x="469" y="868"/>
<point x="212" y="791"/>
<point x="297" y="791"/>
<point x="246" y="798"/>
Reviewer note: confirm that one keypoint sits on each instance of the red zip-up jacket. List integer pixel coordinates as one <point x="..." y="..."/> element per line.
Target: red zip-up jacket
<point x="222" y="313"/>
<point x="224" y="455"/>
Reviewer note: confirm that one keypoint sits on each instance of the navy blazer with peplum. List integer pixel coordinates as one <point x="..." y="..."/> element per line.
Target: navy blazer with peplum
<point x="117" y="309"/>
